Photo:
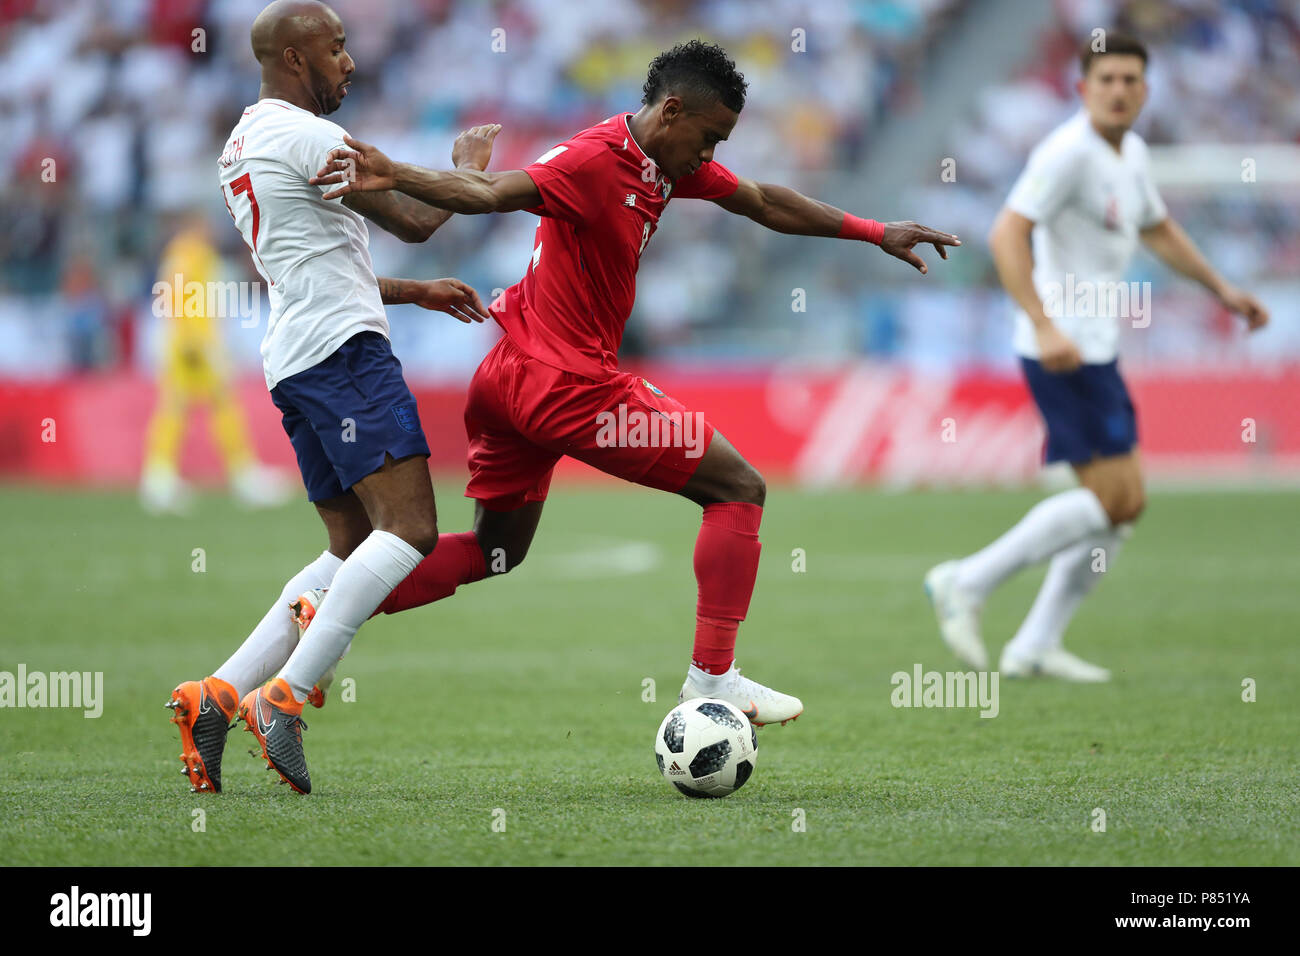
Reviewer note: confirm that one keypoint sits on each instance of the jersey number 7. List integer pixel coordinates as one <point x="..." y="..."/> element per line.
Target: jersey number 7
<point x="244" y="186"/>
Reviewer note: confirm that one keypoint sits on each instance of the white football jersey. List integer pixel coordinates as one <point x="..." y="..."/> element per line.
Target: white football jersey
<point x="1088" y="203"/>
<point x="312" y="254"/>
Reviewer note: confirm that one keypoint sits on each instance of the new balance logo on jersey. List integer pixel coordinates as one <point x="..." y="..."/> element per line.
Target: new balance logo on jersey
<point x="630" y="200"/>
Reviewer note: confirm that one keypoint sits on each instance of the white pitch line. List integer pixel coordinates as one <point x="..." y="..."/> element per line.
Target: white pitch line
<point x="605" y="558"/>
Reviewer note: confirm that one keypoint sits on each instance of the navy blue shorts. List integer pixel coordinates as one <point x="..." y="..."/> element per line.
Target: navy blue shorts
<point x="346" y="413"/>
<point x="1088" y="412"/>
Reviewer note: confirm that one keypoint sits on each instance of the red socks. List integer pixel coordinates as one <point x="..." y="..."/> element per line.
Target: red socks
<point x="455" y="561"/>
<point x="726" y="566"/>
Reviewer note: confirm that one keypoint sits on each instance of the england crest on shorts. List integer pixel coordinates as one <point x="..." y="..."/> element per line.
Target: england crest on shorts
<point x="407" y="416"/>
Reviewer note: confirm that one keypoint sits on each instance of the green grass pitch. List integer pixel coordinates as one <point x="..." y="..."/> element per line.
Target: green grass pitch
<point x="525" y="694"/>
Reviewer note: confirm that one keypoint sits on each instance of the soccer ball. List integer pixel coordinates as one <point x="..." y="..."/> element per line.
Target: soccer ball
<point x="706" y="747"/>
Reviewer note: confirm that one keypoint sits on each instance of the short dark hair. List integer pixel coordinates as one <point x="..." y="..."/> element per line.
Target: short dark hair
<point x="1112" y="42"/>
<point x="696" y="67"/>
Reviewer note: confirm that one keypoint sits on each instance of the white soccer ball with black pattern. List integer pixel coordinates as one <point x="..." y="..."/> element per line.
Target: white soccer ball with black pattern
<point x="706" y="747"/>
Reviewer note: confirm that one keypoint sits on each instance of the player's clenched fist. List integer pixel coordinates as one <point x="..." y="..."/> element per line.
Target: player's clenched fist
<point x="473" y="148"/>
<point x="900" y="237"/>
<point x="361" y="169"/>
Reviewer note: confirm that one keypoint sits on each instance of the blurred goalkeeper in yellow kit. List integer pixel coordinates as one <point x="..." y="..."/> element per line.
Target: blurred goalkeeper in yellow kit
<point x="193" y="369"/>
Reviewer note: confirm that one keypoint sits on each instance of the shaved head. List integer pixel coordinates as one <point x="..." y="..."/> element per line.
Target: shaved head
<point x="299" y="44"/>
<point x="290" y="23"/>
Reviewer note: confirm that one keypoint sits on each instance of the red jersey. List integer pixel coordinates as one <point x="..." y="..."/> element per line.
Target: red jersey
<point x="601" y="202"/>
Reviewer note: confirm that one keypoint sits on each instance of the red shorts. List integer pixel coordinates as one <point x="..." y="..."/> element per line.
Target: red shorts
<point x="522" y="415"/>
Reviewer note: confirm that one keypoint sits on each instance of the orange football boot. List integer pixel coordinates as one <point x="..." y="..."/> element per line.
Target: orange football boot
<point x="203" y="710"/>
<point x="274" y="717"/>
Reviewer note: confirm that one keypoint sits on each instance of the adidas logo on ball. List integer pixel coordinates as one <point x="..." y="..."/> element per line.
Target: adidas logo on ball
<point x="706" y="747"/>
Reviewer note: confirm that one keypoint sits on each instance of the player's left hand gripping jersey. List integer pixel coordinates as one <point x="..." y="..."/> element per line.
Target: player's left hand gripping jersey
<point x="313" y="254"/>
<point x="601" y="202"/>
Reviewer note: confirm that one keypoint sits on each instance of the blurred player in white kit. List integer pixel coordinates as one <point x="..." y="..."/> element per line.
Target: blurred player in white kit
<point x="1084" y="200"/>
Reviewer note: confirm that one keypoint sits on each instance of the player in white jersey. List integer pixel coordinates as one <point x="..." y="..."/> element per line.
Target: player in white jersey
<point x="346" y="408"/>
<point x="1085" y="199"/>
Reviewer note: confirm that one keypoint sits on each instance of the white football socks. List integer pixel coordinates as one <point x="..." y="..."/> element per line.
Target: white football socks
<point x="1073" y="573"/>
<point x="1051" y="525"/>
<point x="368" y="575"/>
<point x="273" y="640"/>
<point x="709" y="683"/>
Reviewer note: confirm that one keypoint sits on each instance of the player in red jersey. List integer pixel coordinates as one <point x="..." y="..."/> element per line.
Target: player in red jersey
<point x="552" y="387"/>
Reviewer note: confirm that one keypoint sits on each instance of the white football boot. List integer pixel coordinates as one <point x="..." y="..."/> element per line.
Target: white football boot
<point x="958" y="614"/>
<point x="760" y="704"/>
<point x="1053" y="662"/>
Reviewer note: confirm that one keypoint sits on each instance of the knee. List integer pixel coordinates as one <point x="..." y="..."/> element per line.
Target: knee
<point x="502" y="558"/>
<point x="1124" y="505"/>
<point x="747" y="485"/>
<point x="419" y="531"/>
<point x="343" y="541"/>
<point x="425" y="538"/>
<point x="1137" y="503"/>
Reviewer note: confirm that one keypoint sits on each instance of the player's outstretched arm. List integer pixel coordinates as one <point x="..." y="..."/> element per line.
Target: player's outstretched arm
<point x="441" y="295"/>
<point x="782" y="209"/>
<point x="1013" y="256"/>
<point x="363" y="168"/>
<point x="1175" y="248"/>
<point x="409" y="219"/>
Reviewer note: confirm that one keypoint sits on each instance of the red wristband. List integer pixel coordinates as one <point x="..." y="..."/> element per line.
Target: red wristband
<point x="868" y="230"/>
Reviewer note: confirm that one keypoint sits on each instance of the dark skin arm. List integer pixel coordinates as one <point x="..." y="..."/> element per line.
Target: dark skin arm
<point x="440" y="295"/>
<point x="400" y="215"/>
<point x="408" y="218"/>
<point x="364" y="169"/>
<point x="781" y="209"/>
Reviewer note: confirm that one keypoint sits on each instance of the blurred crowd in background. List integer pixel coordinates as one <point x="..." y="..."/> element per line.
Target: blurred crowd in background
<point x="1220" y="72"/>
<point x="114" y="113"/>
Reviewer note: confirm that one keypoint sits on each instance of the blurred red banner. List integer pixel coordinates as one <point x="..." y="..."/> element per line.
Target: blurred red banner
<point x="827" y="426"/>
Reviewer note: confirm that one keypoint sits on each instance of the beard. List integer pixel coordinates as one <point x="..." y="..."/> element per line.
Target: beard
<point x="325" y="93"/>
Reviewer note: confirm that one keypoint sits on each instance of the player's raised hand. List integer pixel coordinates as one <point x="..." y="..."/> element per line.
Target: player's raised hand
<point x="451" y="296"/>
<point x="473" y="148"/>
<point x="900" y="237"/>
<point x="361" y="169"/>
<point x="1247" y="306"/>
<point x="1056" y="353"/>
